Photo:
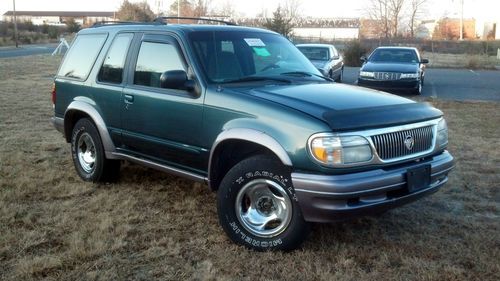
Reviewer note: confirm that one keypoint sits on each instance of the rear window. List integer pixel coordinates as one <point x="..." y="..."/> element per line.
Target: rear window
<point x="315" y="53"/>
<point x="81" y="56"/>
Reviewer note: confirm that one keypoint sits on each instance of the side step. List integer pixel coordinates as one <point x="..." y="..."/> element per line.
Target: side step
<point x="161" y="167"/>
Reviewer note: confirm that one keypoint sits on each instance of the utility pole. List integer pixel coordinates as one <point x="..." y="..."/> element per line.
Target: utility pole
<point x="461" y="19"/>
<point x="15" y="22"/>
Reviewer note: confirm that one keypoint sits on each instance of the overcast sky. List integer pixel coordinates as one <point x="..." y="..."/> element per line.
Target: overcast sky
<point x="479" y="9"/>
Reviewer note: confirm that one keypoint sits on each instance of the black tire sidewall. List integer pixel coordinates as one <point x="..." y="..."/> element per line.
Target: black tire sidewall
<point x="85" y="125"/>
<point x="259" y="167"/>
<point x="419" y="89"/>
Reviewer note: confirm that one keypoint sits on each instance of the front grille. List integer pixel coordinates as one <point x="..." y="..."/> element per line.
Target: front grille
<point x="387" y="75"/>
<point x="392" y="145"/>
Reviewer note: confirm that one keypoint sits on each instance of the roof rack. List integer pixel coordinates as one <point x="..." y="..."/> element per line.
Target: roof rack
<point x="111" y="22"/>
<point x="164" y="20"/>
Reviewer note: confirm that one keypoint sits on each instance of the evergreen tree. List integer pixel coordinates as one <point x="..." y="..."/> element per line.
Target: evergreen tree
<point x="280" y="23"/>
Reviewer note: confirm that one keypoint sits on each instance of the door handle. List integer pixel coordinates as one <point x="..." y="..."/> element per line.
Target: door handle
<point x="129" y="99"/>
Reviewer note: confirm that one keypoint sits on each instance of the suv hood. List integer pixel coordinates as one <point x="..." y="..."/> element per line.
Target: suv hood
<point x="390" y="67"/>
<point x="344" y="107"/>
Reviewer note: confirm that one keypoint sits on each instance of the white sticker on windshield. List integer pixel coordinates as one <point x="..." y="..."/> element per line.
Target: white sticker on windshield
<point x="254" y="42"/>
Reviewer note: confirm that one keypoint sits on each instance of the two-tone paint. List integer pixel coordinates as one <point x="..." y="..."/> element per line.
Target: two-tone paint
<point x="185" y="133"/>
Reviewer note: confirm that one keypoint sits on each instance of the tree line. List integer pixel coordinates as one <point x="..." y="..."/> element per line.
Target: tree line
<point x="392" y="18"/>
<point x="389" y="16"/>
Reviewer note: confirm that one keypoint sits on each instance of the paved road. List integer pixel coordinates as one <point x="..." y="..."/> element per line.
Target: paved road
<point x="454" y="84"/>
<point x="27" y="50"/>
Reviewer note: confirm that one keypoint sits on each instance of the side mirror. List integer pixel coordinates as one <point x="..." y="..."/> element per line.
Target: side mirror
<point x="335" y="57"/>
<point x="363" y="59"/>
<point x="424" y="61"/>
<point x="176" y="79"/>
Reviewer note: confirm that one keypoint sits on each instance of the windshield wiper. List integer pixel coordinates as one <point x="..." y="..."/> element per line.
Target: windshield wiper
<point x="304" y="73"/>
<point x="256" y="78"/>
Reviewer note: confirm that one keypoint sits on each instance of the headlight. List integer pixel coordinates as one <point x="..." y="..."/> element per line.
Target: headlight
<point x="409" y="75"/>
<point x="366" y="74"/>
<point x="442" y="133"/>
<point x="338" y="151"/>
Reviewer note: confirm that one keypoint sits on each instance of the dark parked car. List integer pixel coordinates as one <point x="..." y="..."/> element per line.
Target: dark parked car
<point x="242" y="110"/>
<point x="393" y="69"/>
<point x="325" y="58"/>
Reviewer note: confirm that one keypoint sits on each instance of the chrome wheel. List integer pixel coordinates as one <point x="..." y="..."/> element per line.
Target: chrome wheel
<point x="263" y="208"/>
<point x="86" y="152"/>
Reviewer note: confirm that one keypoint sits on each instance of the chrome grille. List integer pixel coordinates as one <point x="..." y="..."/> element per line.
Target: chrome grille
<point x="392" y="145"/>
<point x="387" y="75"/>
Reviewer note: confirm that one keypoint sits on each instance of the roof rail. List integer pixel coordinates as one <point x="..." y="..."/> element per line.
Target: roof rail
<point x="111" y="22"/>
<point x="164" y="20"/>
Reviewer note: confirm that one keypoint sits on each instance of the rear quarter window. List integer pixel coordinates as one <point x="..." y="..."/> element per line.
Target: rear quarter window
<point x="81" y="56"/>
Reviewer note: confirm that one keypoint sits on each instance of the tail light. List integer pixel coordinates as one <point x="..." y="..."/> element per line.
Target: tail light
<point x="53" y="94"/>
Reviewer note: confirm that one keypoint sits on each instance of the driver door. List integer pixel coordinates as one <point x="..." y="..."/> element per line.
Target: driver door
<point x="158" y="123"/>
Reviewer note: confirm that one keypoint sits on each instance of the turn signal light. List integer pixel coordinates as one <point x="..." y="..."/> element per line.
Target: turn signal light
<point x="53" y="94"/>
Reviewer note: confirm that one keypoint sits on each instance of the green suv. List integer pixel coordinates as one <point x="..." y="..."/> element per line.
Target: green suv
<point x="242" y="110"/>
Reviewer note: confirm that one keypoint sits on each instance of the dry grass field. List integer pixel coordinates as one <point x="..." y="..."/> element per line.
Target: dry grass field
<point x="153" y="226"/>
<point x="443" y="60"/>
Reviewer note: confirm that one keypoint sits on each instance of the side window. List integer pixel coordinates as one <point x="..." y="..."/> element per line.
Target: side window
<point x="81" y="56"/>
<point x="112" y="68"/>
<point x="227" y="46"/>
<point x="153" y="60"/>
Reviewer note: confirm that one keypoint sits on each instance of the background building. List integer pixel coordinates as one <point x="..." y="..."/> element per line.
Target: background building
<point x="58" y="17"/>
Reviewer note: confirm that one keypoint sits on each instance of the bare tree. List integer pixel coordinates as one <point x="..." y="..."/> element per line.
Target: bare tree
<point x="135" y="11"/>
<point x="201" y="8"/>
<point x="388" y="14"/>
<point x="190" y="8"/>
<point x="415" y="9"/>
<point x="227" y="9"/>
<point x="378" y="10"/>
<point x="291" y="8"/>
<point x="395" y="8"/>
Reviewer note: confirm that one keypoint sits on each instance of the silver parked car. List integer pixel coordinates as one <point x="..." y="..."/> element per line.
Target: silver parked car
<point x="326" y="58"/>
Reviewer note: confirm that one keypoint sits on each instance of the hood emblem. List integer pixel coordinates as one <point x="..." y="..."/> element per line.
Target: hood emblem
<point x="386" y="76"/>
<point x="409" y="142"/>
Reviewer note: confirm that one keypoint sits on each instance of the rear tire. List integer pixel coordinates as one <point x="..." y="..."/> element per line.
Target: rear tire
<point x="257" y="206"/>
<point x="89" y="156"/>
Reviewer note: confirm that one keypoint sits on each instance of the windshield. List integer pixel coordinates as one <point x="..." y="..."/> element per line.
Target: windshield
<point x="228" y="55"/>
<point x="394" y="55"/>
<point x="315" y="53"/>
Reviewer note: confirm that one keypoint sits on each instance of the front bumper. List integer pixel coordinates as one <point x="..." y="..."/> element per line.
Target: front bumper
<point x="389" y="85"/>
<point x="329" y="198"/>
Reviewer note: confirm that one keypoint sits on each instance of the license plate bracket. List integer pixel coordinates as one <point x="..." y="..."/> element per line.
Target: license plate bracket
<point x="418" y="178"/>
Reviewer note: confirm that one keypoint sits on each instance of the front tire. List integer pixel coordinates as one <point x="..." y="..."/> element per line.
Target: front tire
<point x="257" y="206"/>
<point x="341" y="76"/>
<point x="88" y="154"/>
<point x="418" y="90"/>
